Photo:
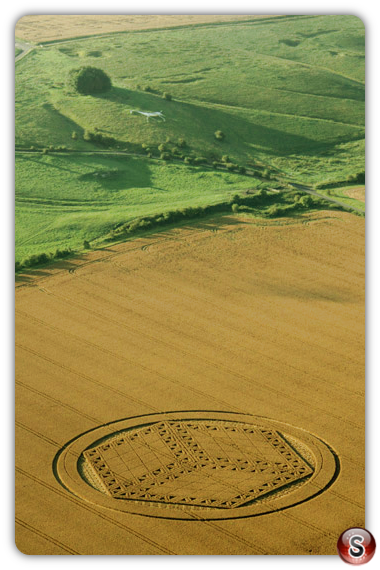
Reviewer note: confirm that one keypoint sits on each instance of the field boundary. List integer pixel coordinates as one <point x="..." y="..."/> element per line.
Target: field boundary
<point x="261" y="201"/>
<point x="263" y="20"/>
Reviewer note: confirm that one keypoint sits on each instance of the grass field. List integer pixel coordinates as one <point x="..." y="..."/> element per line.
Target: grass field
<point x="293" y="104"/>
<point x="259" y="317"/>
<point x="287" y="92"/>
<point x="63" y="200"/>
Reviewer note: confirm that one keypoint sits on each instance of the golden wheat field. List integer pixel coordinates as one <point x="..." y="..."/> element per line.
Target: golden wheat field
<point x="42" y="28"/>
<point x="226" y="319"/>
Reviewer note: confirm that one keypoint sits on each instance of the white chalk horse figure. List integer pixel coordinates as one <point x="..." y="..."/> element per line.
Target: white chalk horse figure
<point x="157" y="114"/>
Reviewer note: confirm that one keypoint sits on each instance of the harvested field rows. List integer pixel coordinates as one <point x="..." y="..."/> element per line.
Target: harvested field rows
<point x="234" y="315"/>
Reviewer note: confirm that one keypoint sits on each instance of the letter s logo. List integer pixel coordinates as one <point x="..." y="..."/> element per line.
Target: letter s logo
<point x="356" y="549"/>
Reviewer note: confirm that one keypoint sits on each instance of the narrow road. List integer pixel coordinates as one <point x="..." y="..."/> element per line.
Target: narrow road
<point x="25" y="47"/>
<point x="308" y="190"/>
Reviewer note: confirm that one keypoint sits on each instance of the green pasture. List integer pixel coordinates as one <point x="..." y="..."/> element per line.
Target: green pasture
<point x="277" y="89"/>
<point x="288" y="94"/>
<point x="63" y="200"/>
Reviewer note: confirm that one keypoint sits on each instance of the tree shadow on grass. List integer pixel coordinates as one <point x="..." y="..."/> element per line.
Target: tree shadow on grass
<point x="39" y="159"/>
<point x="110" y="173"/>
<point x="115" y="95"/>
<point x="130" y="98"/>
<point x="272" y="135"/>
<point x="119" y="173"/>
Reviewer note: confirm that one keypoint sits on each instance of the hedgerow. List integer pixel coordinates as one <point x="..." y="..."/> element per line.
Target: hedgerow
<point x="42" y="259"/>
<point x="262" y="202"/>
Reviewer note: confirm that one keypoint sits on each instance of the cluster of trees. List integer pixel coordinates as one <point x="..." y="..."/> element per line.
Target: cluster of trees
<point x="227" y="163"/>
<point x="42" y="258"/>
<point x="180" y="150"/>
<point x="279" y="204"/>
<point x="358" y="178"/>
<point x="100" y="139"/>
<point x="149" y="89"/>
<point x="89" y="80"/>
<point x="169" y="150"/>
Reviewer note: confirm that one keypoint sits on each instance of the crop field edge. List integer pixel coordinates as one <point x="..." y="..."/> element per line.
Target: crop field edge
<point x="254" y="20"/>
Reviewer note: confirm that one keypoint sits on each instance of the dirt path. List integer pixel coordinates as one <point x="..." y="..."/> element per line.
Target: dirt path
<point x="25" y="47"/>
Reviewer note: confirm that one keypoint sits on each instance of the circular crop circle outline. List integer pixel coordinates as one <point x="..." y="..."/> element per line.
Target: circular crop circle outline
<point x="65" y="467"/>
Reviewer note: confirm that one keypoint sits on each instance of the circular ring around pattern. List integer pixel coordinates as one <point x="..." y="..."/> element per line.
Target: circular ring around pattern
<point x="199" y="465"/>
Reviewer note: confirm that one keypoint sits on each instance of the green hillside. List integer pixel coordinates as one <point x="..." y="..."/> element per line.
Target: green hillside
<point x="288" y="94"/>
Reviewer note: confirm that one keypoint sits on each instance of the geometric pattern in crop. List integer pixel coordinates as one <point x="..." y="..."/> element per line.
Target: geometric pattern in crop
<point x="204" y="463"/>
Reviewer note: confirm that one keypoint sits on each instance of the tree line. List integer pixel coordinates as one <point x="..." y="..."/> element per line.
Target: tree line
<point x="42" y="258"/>
<point x="263" y="203"/>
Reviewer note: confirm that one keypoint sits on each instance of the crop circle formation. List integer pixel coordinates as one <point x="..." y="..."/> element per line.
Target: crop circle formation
<point x="197" y="465"/>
